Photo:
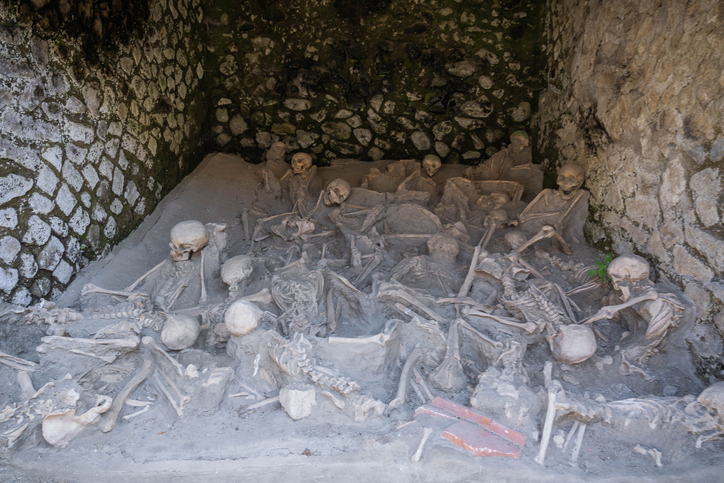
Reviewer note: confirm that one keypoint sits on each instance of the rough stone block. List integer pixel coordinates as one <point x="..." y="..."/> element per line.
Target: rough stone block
<point x="79" y="221"/>
<point x="8" y="218"/>
<point x="298" y="400"/>
<point x="711" y="247"/>
<point x="63" y="272"/>
<point x="8" y="279"/>
<point x="65" y="199"/>
<point x="688" y="266"/>
<point x="51" y="254"/>
<point x="47" y="180"/>
<point x="28" y="266"/>
<point x="40" y="204"/>
<point x="72" y="177"/>
<point x="118" y="182"/>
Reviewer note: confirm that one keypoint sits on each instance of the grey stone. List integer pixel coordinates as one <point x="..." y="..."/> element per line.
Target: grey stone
<point x="467" y="123"/>
<point x="462" y="69"/>
<point x="112" y="147"/>
<point x="337" y="130"/>
<point x="477" y="109"/>
<point x="72" y="176"/>
<point x="91" y="176"/>
<point x="406" y="123"/>
<point x="63" y="272"/>
<point x="222" y="115"/>
<point x="110" y="229"/>
<point x="441" y="130"/>
<point x="131" y="194"/>
<point x="47" y="180"/>
<point x="521" y="112"/>
<point x="98" y="213"/>
<point x="345" y="148"/>
<point x="38" y="231"/>
<point x="306" y="138"/>
<point x="73" y="249"/>
<point x="50" y="255"/>
<point x="716" y="153"/>
<point x="8" y="279"/>
<point x="707" y="244"/>
<point x="79" y="132"/>
<point x="40" y="204"/>
<point x="376" y="102"/>
<point x="364" y="136"/>
<point x="13" y="186"/>
<point x="85" y="198"/>
<point x="116" y="206"/>
<point x="9" y="249"/>
<point x="58" y="226"/>
<point x="65" y="199"/>
<point x="74" y="105"/>
<point x="343" y="114"/>
<point x="717" y="290"/>
<point x="706" y="185"/>
<point x="376" y="153"/>
<point x="28" y="265"/>
<point x="297" y="104"/>
<point x="471" y="155"/>
<point x="79" y="221"/>
<point x="688" y="266"/>
<point x="354" y="121"/>
<point x="54" y="155"/>
<point x="420" y="140"/>
<point x="237" y="125"/>
<point x="22" y="297"/>
<point x="442" y="149"/>
<point x="700" y="297"/>
<point x="106" y="168"/>
<point x="8" y="218"/>
<point x="129" y="143"/>
<point x="118" y="182"/>
<point x="485" y="82"/>
<point x="41" y="287"/>
<point x="488" y="56"/>
<point x="389" y="107"/>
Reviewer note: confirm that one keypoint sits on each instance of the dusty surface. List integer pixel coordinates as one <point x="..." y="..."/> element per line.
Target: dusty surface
<point x="264" y="444"/>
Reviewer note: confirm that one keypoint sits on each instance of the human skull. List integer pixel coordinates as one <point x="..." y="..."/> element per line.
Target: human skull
<point x="627" y="270"/>
<point x="276" y="152"/>
<point x="242" y="317"/>
<point x="337" y="191"/>
<point x="570" y="179"/>
<point x="187" y="238"/>
<point x="301" y="162"/>
<point x="237" y="269"/>
<point x="180" y="332"/>
<point x="442" y="247"/>
<point x="431" y="164"/>
<point x="713" y="398"/>
<point x="574" y="344"/>
<point x="499" y="199"/>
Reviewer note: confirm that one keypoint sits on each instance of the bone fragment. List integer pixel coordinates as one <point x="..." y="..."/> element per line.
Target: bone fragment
<point x="465" y="288"/>
<point x="132" y="287"/>
<point x="653" y="452"/>
<point x="163" y="354"/>
<point x="571" y="432"/>
<point x="582" y="288"/>
<point x="339" y="403"/>
<point x="26" y="385"/>
<point x="416" y="388"/>
<point x="423" y="384"/>
<point x="135" y="403"/>
<point x="245" y="223"/>
<point x="17" y="363"/>
<point x="550" y="413"/>
<point x="203" y="297"/>
<point x="488" y="235"/>
<point x="265" y="402"/>
<point x="128" y="417"/>
<point x="418" y="454"/>
<point x="490" y="341"/>
<point x="416" y="303"/>
<point x="177" y="406"/>
<point x="109" y="419"/>
<point x="405" y="310"/>
<point x="528" y="327"/>
<point x="399" y="399"/>
<point x="577" y="447"/>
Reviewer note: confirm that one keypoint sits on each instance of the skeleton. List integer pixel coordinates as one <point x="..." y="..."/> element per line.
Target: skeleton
<point x="389" y="179"/>
<point x="465" y="200"/>
<point x="435" y="272"/>
<point x="421" y="179"/>
<point x="661" y="311"/>
<point x="517" y="153"/>
<point x="301" y="181"/>
<point x="558" y="213"/>
<point x="298" y="292"/>
<point x="196" y="250"/>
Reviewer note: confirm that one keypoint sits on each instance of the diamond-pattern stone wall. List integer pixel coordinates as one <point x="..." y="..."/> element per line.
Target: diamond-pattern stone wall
<point x="88" y="148"/>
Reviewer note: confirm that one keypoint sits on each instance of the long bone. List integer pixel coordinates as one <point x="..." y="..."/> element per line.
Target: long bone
<point x="143" y="277"/>
<point x="399" y="399"/>
<point x="546" y="231"/>
<point x="17" y="363"/>
<point x="528" y="327"/>
<point x="406" y="297"/>
<point x="553" y="388"/>
<point x="608" y="311"/>
<point x="465" y="288"/>
<point x="109" y="419"/>
<point x="177" y="406"/>
<point x="577" y="447"/>
<point x="494" y="343"/>
<point x="418" y="454"/>
<point x="148" y="341"/>
<point x="449" y="373"/>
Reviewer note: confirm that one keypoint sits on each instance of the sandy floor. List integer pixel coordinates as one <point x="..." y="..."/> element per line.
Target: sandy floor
<point x="238" y="444"/>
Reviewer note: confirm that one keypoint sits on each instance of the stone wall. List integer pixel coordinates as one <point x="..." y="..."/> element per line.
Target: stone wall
<point x="368" y="79"/>
<point x="636" y="94"/>
<point x="99" y="107"/>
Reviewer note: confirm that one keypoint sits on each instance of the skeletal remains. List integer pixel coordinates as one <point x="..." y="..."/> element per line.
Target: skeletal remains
<point x="329" y="274"/>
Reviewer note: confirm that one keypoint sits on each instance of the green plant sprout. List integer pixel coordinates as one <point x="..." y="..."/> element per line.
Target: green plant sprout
<point x="601" y="270"/>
